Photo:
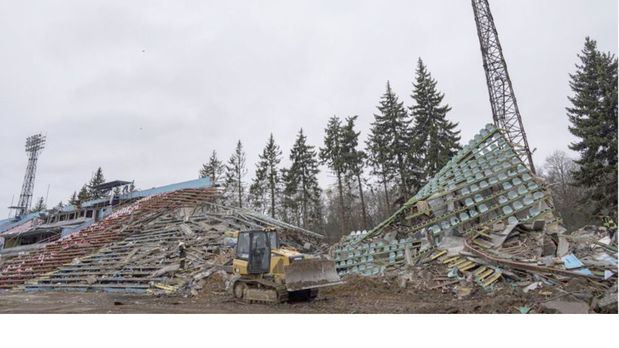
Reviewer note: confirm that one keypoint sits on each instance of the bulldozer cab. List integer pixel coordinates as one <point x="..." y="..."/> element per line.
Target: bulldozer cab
<point x="255" y="248"/>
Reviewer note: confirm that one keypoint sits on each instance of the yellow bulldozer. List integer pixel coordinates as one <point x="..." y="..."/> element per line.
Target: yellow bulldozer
<point x="269" y="273"/>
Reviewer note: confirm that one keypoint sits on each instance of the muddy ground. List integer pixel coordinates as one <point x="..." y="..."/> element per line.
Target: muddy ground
<point x="358" y="295"/>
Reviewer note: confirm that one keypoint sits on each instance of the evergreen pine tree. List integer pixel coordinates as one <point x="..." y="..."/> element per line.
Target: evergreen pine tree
<point x="213" y="169"/>
<point x="391" y="127"/>
<point x="73" y="199"/>
<point x="354" y="159"/>
<point x="97" y="179"/>
<point x="257" y="190"/>
<point x="593" y="118"/>
<point x="332" y="155"/>
<point x="378" y="157"/>
<point x="302" y="182"/>
<point x="290" y="204"/>
<point x="235" y="172"/>
<point x="40" y="206"/>
<point x="267" y="179"/>
<point x="435" y="139"/>
<point x="83" y="195"/>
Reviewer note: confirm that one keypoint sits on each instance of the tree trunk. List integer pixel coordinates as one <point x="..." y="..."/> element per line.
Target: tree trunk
<point x="240" y="188"/>
<point x="240" y="198"/>
<point x="403" y="188"/>
<point x="304" y="207"/>
<point x="272" y="199"/>
<point x="343" y="224"/>
<point x="365" y="217"/>
<point x="387" y="205"/>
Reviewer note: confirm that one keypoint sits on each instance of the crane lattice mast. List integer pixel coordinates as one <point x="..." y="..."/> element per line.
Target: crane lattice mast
<point x="502" y="99"/>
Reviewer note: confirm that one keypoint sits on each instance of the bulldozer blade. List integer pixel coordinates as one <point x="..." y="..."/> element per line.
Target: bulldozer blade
<point x="310" y="274"/>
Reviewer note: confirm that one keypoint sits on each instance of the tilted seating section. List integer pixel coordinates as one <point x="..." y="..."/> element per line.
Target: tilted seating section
<point x="485" y="182"/>
<point x="372" y="258"/>
<point x="115" y="227"/>
<point x="124" y="266"/>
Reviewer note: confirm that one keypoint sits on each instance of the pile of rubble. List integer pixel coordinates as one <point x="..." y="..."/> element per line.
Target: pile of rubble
<point x="485" y="221"/>
<point x="117" y="226"/>
<point x="569" y="272"/>
<point x="173" y="252"/>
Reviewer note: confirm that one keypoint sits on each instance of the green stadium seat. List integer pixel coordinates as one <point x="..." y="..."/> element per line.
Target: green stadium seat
<point x="517" y="205"/>
<point x="454" y="221"/>
<point x="512" y="220"/>
<point x="528" y="199"/>
<point x="512" y="195"/>
<point x="493" y="180"/>
<point x="502" y="200"/>
<point x="533" y="212"/>
<point x="464" y="216"/>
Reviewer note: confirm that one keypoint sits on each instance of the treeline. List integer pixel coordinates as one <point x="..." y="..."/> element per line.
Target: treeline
<point x="405" y="146"/>
<point x="87" y="192"/>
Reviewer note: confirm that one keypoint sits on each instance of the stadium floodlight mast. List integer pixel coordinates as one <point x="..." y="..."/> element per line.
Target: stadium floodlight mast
<point x="34" y="145"/>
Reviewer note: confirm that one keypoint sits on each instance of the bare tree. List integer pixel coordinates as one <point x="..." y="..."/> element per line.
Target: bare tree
<point x="570" y="200"/>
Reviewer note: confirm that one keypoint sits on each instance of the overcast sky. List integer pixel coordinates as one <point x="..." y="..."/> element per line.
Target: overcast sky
<point x="147" y="89"/>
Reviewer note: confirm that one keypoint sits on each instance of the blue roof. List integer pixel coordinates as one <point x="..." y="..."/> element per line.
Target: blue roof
<point x="197" y="183"/>
<point x="7" y="224"/>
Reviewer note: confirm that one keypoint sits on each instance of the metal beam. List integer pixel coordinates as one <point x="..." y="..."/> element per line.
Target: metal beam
<point x="505" y="111"/>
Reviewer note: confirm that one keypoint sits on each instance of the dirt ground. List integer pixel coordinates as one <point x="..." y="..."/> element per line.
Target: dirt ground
<point x="358" y="295"/>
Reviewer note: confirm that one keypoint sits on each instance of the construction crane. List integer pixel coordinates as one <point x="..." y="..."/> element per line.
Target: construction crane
<point x="502" y="99"/>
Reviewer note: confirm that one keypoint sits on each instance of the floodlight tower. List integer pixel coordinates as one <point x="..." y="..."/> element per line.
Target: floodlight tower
<point x="502" y="98"/>
<point x="34" y="145"/>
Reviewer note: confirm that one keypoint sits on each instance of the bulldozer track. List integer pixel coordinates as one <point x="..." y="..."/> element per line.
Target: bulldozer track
<point x="280" y="289"/>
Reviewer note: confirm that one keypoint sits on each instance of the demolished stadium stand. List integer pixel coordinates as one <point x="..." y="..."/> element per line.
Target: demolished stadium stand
<point x="484" y="183"/>
<point x="133" y="246"/>
<point x="483" y="217"/>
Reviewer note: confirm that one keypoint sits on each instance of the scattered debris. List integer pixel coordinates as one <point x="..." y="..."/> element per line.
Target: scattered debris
<point x="568" y="307"/>
<point x="483" y="228"/>
<point x="532" y="286"/>
<point x="486" y="221"/>
<point x="570" y="261"/>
